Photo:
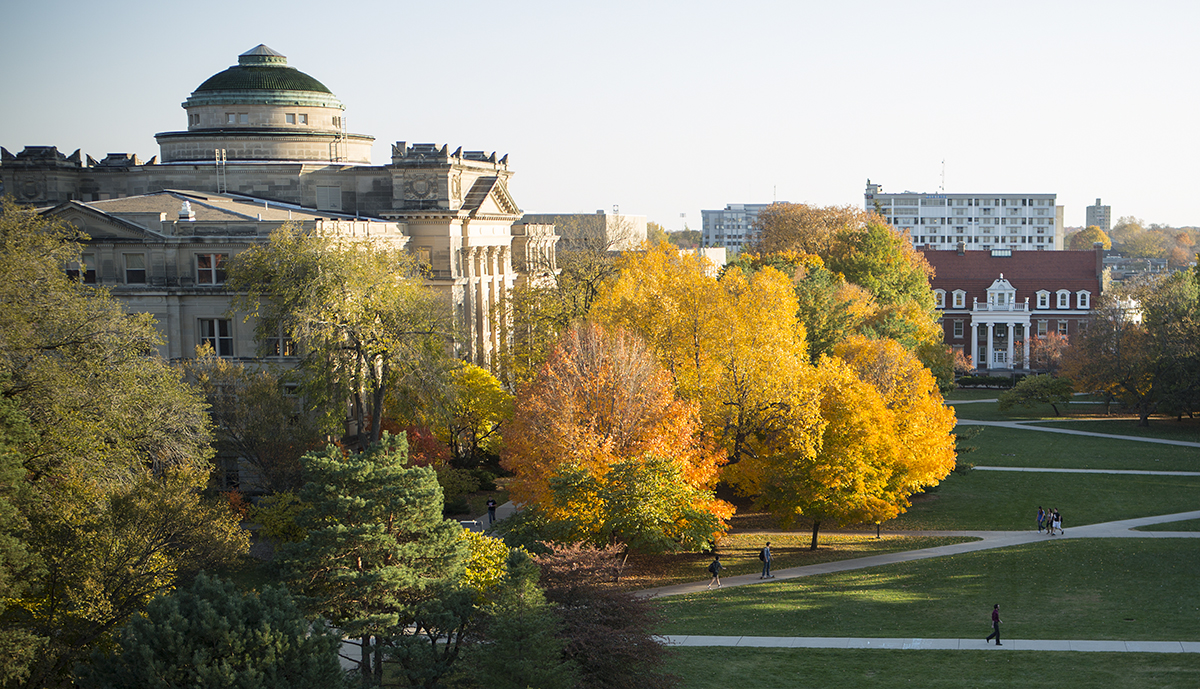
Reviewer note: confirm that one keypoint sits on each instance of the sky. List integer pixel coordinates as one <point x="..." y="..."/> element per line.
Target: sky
<point x="666" y="108"/>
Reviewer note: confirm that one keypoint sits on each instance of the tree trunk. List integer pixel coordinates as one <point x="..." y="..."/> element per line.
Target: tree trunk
<point x="1055" y="408"/>
<point x="364" y="664"/>
<point x="816" y="529"/>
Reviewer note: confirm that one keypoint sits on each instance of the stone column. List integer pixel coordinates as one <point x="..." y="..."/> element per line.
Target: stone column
<point x="975" y="342"/>
<point x="1011" y="332"/>
<point x="1026" y="338"/>
<point x="991" y="343"/>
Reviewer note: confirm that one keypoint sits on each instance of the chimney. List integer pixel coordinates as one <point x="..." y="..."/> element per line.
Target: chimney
<point x="1099" y="249"/>
<point x="186" y="213"/>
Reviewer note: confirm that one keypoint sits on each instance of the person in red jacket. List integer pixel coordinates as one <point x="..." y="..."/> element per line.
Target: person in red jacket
<point x="995" y="625"/>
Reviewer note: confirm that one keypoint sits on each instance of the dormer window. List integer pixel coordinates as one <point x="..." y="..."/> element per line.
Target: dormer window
<point x="960" y="299"/>
<point x="1043" y="299"/>
<point x="939" y="297"/>
<point x="1064" y="299"/>
<point x="1083" y="299"/>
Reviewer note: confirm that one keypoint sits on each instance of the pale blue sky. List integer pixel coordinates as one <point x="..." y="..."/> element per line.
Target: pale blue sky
<point x="669" y="107"/>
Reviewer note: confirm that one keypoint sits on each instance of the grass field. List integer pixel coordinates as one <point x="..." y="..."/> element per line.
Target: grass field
<point x="1189" y="525"/>
<point x="1167" y="428"/>
<point x="1142" y="589"/>
<point x="985" y="411"/>
<point x="761" y="668"/>
<point x="739" y="555"/>
<point x="971" y="394"/>
<point x="1001" y="500"/>
<point x="1028" y="448"/>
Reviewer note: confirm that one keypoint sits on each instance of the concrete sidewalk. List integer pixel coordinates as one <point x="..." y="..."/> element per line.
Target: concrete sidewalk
<point x="935" y="644"/>
<point x="988" y="540"/>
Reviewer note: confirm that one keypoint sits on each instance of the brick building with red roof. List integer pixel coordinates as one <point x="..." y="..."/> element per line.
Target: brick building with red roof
<point x="991" y="302"/>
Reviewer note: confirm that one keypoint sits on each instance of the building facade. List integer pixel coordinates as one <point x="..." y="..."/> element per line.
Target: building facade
<point x="992" y="302"/>
<point x="1099" y="216"/>
<point x="731" y="228"/>
<point x="261" y="132"/>
<point x="1016" y="222"/>
<point x="599" y="231"/>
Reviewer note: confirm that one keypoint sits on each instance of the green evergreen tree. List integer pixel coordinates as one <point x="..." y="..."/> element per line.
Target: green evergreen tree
<point x="379" y="562"/>
<point x="213" y="636"/>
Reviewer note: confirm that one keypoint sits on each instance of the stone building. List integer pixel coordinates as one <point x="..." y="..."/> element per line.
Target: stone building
<point x="263" y="133"/>
<point x="991" y="302"/>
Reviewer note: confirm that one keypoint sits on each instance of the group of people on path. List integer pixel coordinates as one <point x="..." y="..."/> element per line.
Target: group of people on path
<point x="1050" y="521"/>
<point x="715" y="567"/>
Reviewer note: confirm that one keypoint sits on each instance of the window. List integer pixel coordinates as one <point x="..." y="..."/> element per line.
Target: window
<point x="135" y="269"/>
<point x="281" y="345"/>
<point x="1062" y="327"/>
<point x="230" y="118"/>
<point x="329" y="198"/>
<point x="958" y="328"/>
<point x="210" y="269"/>
<point x="218" y="333"/>
<point x="1083" y="299"/>
<point x="85" y="270"/>
<point x="290" y="118"/>
<point x="1041" y="328"/>
<point x="424" y="256"/>
<point x="1043" y="299"/>
<point x="939" y="297"/>
<point x="1064" y="299"/>
<point x="303" y="118"/>
<point x="243" y="118"/>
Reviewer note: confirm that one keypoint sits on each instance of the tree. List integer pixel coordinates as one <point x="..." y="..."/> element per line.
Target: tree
<point x="1033" y="390"/>
<point x="113" y="459"/>
<point x="1115" y="355"/>
<point x="1126" y="228"/>
<point x="465" y="408"/>
<point x="379" y="562"/>
<point x="212" y="635"/>
<point x="1171" y="316"/>
<point x="600" y="411"/>
<point x="733" y="345"/>
<point x="1046" y="352"/>
<point x="255" y="418"/>
<point x="608" y="632"/>
<point x="356" y="312"/>
<point x="1084" y="239"/>
<point x="655" y="234"/>
<point x="884" y="435"/>
<point x="796" y="227"/>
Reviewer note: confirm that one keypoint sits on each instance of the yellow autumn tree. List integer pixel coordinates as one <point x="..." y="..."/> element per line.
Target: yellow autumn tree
<point x="733" y="345"/>
<point x="603" y="451"/>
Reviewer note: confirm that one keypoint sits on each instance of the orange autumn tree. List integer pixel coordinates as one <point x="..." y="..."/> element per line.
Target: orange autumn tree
<point x="603" y="452"/>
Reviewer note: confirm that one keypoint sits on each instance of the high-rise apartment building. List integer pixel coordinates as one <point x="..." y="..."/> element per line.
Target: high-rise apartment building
<point x="731" y="228"/>
<point x="1100" y="216"/>
<point x="1018" y="222"/>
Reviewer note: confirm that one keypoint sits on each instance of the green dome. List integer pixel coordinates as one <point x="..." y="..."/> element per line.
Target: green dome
<point x="262" y="69"/>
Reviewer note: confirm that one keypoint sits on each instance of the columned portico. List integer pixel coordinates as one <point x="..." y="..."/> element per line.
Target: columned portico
<point x="1001" y="309"/>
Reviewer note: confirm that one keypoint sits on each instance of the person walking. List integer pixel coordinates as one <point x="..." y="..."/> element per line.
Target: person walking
<point x="995" y="625"/>
<point x="1050" y="522"/>
<point x="714" y="568"/>
<point x="1041" y="519"/>
<point x="491" y="505"/>
<point x="765" y="556"/>
<point x="1058" y="522"/>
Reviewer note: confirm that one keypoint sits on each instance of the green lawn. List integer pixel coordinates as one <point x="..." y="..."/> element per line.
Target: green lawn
<point x="1028" y="448"/>
<point x="1129" y="589"/>
<point x="739" y="555"/>
<point x="971" y="394"/>
<point x="762" y="668"/>
<point x="1167" y="428"/>
<point x="1003" y="501"/>
<point x="990" y="411"/>
<point x="1189" y="525"/>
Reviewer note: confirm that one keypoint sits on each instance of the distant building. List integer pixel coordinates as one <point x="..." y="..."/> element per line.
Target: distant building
<point x="599" y="230"/>
<point x="731" y="228"/>
<point x="1017" y="222"/>
<point x="1100" y="216"/>
<point x="991" y="302"/>
<point x="264" y="142"/>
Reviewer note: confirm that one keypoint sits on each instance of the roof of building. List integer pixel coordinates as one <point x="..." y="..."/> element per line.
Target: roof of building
<point x="213" y="207"/>
<point x="261" y="69"/>
<point x="1028" y="271"/>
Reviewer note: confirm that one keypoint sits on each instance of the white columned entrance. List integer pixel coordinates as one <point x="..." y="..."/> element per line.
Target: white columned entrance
<point x="991" y="354"/>
<point x="975" y="342"/>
